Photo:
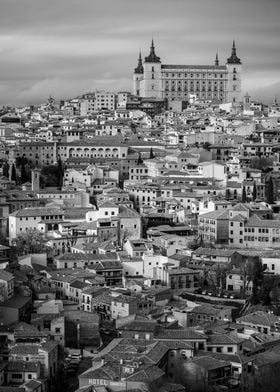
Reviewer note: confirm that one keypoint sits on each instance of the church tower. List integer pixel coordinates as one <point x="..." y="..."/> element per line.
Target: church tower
<point x="233" y="89"/>
<point x="216" y="60"/>
<point x="152" y="75"/>
<point x="138" y="76"/>
<point x="35" y="180"/>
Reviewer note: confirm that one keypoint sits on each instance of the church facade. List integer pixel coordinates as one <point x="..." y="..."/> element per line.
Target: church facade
<point x="217" y="83"/>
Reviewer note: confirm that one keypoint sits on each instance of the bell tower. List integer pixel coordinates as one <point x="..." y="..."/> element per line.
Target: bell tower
<point x="35" y="180"/>
<point x="138" y="76"/>
<point x="152" y="75"/>
<point x="234" y="67"/>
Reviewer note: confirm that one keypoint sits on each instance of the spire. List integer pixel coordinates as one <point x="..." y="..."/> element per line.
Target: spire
<point x="217" y="60"/>
<point x="233" y="59"/>
<point x="152" y="58"/>
<point x="139" y="69"/>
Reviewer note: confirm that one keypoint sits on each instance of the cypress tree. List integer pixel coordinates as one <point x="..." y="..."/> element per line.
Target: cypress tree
<point x="140" y="160"/>
<point x="60" y="172"/>
<point x="14" y="174"/>
<point x="244" y="195"/>
<point x="23" y="175"/>
<point x="254" y="192"/>
<point x="269" y="191"/>
<point x="227" y="194"/>
<point x="152" y="155"/>
<point x="6" y="168"/>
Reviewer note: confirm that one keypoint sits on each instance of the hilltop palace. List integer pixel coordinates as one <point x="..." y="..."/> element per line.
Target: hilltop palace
<point x="220" y="83"/>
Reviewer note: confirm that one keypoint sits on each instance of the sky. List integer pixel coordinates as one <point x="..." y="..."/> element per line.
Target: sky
<point x="64" y="48"/>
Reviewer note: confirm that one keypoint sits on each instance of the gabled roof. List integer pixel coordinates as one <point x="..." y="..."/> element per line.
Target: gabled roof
<point x="139" y="325"/>
<point x="23" y="366"/>
<point x="39" y="211"/>
<point x="259" y="318"/>
<point x="22" y="329"/>
<point x="214" y="252"/>
<point x="210" y="363"/>
<point x="256" y="221"/>
<point x="240" y="207"/>
<point x="108" y="204"/>
<point x="215" y="215"/>
<point x="177" y="334"/>
<point x="224" y="339"/>
<point x="6" y="276"/>
<point x="238" y="218"/>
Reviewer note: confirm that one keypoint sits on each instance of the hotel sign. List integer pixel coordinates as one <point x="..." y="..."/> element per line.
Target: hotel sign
<point x="109" y="383"/>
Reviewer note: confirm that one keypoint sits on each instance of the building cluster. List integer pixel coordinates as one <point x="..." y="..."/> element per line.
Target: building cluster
<point x="140" y="237"/>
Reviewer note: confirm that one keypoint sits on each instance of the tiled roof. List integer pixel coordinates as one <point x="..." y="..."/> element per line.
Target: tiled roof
<point x="259" y="318"/>
<point x="17" y="302"/>
<point x="23" y="366"/>
<point x="139" y="325"/>
<point x="256" y="221"/>
<point x="240" y="207"/>
<point x="124" y="299"/>
<point x="210" y="363"/>
<point x="188" y="334"/>
<point x="224" y="339"/>
<point x="182" y="271"/>
<point x="207" y="309"/>
<point x="108" y="204"/>
<point x="238" y="218"/>
<point x="24" y="349"/>
<point x="78" y="284"/>
<point x="126" y="212"/>
<point x="214" y="252"/>
<point x="72" y="256"/>
<point x="218" y="214"/>
<point x="26" y="330"/>
<point x="147" y="374"/>
<point x="107" y="264"/>
<point x="39" y="211"/>
<point x="4" y="275"/>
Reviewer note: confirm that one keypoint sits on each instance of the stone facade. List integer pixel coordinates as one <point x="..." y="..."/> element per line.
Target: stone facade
<point x="220" y="83"/>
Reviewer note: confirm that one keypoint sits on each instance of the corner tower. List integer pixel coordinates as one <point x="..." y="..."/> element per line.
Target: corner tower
<point x="138" y="76"/>
<point x="234" y="68"/>
<point x="152" y="82"/>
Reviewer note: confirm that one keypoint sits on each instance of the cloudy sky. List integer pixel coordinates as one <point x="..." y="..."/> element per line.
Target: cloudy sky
<point x="67" y="47"/>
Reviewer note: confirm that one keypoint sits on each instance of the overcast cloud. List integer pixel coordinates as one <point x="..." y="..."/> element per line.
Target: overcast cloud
<point x="67" y="47"/>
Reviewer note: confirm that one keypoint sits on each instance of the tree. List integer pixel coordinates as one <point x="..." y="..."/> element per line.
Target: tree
<point x="60" y="172"/>
<point x="254" y="194"/>
<point x="270" y="290"/>
<point x="152" y="155"/>
<point x="123" y="236"/>
<point x="140" y="160"/>
<point x="221" y="276"/>
<point x="23" y="174"/>
<point x="244" y="195"/>
<point x="228" y="194"/>
<point x="262" y="164"/>
<point x="269" y="191"/>
<point x="50" y="176"/>
<point x="206" y="146"/>
<point x="14" y="173"/>
<point x="253" y="272"/>
<point x="32" y="241"/>
<point x="6" y="168"/>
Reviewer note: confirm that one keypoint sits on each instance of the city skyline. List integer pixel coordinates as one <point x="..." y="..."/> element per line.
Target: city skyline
<point x="66" y="48"/>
